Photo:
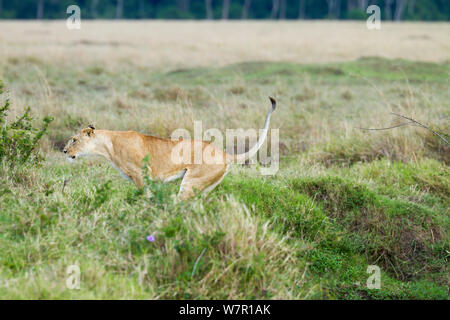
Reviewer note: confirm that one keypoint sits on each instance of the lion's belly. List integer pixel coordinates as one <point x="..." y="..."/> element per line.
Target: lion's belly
<point x="122" y="174"/>
<point x="175" y="176"/>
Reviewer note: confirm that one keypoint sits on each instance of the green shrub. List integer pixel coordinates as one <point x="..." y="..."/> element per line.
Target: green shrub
<point x="19" y="139"/>
<point x="102" y="194"/>
<point x="356" y="14"/>
<point x="160" y="192"/>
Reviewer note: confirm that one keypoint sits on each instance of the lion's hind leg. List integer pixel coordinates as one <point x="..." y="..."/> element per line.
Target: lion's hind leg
<point x="201" y="178"/>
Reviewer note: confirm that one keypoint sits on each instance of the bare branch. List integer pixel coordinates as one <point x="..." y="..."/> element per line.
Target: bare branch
<point x="422" y="125"/>
<point x="399" y="125"/>
<point x="411" y="122"/>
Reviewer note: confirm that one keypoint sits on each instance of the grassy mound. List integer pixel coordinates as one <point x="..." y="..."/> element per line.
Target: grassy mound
<point x="348" y="225"/>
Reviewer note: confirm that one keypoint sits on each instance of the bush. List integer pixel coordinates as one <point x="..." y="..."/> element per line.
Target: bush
<point x="356" y="14"/>
<point x="160" y="192"/>
<point x="19" y="139"/>
<point x="173" y="13"/>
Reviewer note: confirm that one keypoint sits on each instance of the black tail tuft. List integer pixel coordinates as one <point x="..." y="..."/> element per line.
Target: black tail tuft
<point x="274" y="103"/>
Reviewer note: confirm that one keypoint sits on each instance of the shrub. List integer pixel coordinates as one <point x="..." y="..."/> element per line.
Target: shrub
<point x="19" y="139"/>
<point x="356" y="14"/>
<point x="160" y="193"/>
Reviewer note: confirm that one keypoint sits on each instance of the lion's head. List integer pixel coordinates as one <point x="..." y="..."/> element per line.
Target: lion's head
<point x="80" y="144"/>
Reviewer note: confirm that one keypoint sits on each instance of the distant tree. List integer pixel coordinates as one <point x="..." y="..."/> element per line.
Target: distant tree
<point x="351" y="4"/>
<point x="363" y="4"/>
<point x="337" y="9"/>
<point x="40" y="9"/>
<point x="209" y="10"/>
<point x="283" y="9"/>
<point x="275" y="8"/>
<point x="411" y="4"/>
<point x="246" y="8"/>
<point x="399" y="9"/>
<point x="301" y="9"/>
<point x="225" y="9"/>
<point x="119" y="9"/>
<point x="330" y="7"/>
<point x="183" y="5"/>
<point x="388" y="9"/>
<point x="94" y="12"/>
<point x="356" y="9"/>
<point x="334" y="8"/>
<point x="141" y="9"/>
<point x="357" y="4"/>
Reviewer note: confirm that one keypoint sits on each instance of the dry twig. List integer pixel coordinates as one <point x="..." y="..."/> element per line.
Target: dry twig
<point x="411" y="122"/>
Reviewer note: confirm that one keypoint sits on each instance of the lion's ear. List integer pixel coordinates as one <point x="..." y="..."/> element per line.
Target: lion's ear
<point x="88" y="131"/>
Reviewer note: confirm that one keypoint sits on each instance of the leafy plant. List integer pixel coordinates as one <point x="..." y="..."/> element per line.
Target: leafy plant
<point x="102" y="194"/>
<point x="160" y="193"/>
<point x="19" y="139"/>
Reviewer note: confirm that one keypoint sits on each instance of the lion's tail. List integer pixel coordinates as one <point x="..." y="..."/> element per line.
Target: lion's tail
<point x="240" y="158"/>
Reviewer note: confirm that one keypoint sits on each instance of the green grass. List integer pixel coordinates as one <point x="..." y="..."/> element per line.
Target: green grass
<point x="298" y="237"/>
<point x="342" y="200"/>
<point x="350" y="226"/>
<point x="375" y="68"/>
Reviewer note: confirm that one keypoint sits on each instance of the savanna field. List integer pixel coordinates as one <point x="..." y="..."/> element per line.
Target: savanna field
<point x="343" y="198"/>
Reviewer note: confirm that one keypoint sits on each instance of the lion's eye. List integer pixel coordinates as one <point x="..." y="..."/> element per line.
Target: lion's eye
<point x="73" y="140"/>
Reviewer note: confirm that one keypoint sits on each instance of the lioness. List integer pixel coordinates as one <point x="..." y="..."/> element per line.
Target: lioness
<point x="168" y="158"/>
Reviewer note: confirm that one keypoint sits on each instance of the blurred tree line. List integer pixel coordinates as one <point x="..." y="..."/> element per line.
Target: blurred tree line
<point x="227" y="9"/>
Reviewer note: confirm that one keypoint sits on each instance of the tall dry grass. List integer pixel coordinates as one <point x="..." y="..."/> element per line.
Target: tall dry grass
<point x="174" y="44"/>
<point x="103" y="74"/>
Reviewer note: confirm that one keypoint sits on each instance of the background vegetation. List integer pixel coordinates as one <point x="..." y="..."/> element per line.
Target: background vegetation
<point x="343" y="198"/>
<point x="227" y="9"/>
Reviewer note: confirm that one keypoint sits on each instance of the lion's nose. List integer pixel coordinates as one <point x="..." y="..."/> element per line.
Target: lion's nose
<point x="65" y="151"/>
